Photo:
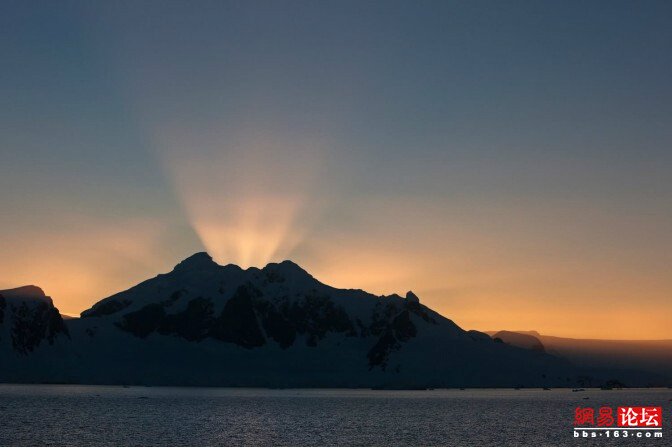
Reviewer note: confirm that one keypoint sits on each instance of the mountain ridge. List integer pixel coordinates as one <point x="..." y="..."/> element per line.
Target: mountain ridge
<point x="211" y="325"/>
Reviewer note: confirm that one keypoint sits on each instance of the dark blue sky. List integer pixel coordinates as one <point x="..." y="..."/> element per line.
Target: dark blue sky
<point x="509" y="155"/>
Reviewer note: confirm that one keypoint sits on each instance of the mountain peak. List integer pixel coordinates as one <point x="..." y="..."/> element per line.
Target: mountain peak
<point x="412" y="297"/>
<point x="197" y="261"/>
<point x="290" y="265"/>
<point x="286" y="268"/>
<point x="24" y="292"/>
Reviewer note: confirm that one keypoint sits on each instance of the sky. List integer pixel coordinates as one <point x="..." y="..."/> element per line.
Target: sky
<point x="510" y="162"/>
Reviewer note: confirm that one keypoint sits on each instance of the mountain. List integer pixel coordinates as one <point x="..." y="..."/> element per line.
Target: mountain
<point x="28" y="319"/>
<point x="630" y="359"/>
<point x="207" y="324"/>
<point x="522" y="340"/>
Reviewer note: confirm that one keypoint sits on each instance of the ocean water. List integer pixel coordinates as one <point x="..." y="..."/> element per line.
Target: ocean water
<point x="92" y="416"/>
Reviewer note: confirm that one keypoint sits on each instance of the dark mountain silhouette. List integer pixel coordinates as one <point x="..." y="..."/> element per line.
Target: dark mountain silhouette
<point x="206" y="324"/>
<point x="31" y="318"/>
<point x="629" y="358"/>
<point x="522" y="340"/>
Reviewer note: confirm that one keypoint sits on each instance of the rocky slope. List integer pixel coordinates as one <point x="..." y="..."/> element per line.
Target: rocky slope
<point x="28" y="319"/>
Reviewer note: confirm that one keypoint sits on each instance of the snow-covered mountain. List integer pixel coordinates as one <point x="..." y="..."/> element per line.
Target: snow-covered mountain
<point x="206" y="324"/>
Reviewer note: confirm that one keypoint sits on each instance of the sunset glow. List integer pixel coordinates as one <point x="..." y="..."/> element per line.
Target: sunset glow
<point x="511" y="180"/>
<point x="250" y="199"/>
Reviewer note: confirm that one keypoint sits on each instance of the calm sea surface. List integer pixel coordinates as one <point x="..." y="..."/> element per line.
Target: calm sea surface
<point x="91" y="416"/>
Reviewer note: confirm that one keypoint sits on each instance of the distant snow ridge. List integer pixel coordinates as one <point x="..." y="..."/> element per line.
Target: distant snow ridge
<point x="207" y="324"/>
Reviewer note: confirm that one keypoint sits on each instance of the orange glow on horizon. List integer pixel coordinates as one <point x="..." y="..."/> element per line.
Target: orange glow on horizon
<point x="485" y="265"/>
<point x="505" y="304"/>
